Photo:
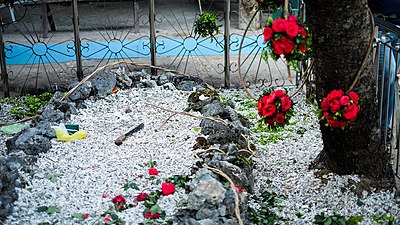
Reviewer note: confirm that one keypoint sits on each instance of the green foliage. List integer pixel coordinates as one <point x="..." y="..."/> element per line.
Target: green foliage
<point x="336" y="219"/>
<point x="54" y="177"/>
<point x="206" y="24"/>
<point x="29" y="105"/>
<point x="264" y="215"/>
<point x="132" y="185"/>
<point x="383" y="219"/>
<point x="48" y="209"/>
<point x="178" y="180"/>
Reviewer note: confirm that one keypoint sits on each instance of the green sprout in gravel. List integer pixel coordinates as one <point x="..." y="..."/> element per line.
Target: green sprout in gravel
<point x="29" y="105"/>
<point x="264" y="214"/>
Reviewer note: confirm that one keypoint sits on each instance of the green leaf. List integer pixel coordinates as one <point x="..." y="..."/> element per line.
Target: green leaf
<point x="197" y="129"/>
<point x="78" y="216"/>
<point x="114" y="216"/>
<point x="155" y="209"/>
<point x="54" y="177"/>
<point x="328" y="221"/>
<point x="53" y="209"/>
<point x="360" y="203"/>
<point x="42" y="209"/>
<point x="133" y="186"/>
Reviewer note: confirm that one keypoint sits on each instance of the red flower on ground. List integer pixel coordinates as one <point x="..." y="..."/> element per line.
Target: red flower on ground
<point x="167" y="188"/>
<point x="84" y="216"/>
<point x="153" y="171"/>
<point x="280" y="118"/>
<point x="107" y="220"/>
<point x="141" y="197"/>
<point x="240" y="190"/>
<point x="148" y="215"/>
<point x="119" y="200"/>
<point x="269" y="110"/>
<point x="286" y="103"/>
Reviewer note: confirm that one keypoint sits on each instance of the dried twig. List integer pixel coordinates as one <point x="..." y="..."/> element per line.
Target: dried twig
<point x="20" y="121"/>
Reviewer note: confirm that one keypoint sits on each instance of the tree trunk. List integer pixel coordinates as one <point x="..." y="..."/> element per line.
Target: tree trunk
<point x="341" y="38"/>
<point x="246" y="11"/>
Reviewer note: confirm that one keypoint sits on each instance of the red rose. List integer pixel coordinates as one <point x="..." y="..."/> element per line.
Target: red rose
<point x="335" y="94"/>
<point x="148" y="215"/>
<point x="280" y="118"/>
<point x="344" y="100"/>
<point x="269" y="110"/>
<point x="167" y="188"/>
<point x="354" y="96"/>
<point x="292" y="29"/>
<point x="335" y="105"/>
<point x="302" y="48"/>
<point x="279" y="25"/>
<point x="84" y="216"/>
<point x="292" y="18"/>
<point x="335" y="123"/>
<point x="268" y="32"/>
<point x="141" y="197"/>
<point x="262" y="103"/>
<point x="271" y="98"/>
<point x="119" y="200"/>
<point x="280" y="93"/>
<point x="107" y="220"/>
<point x="153" y="171"/>
<point x="302" y="31"/>
<point x="270" y="121"/>
<point x="240" y="190"/>
<point x="325" y="105"/>
<point x="283" y="46"/>
<point x="326" y="115"/>
<point x="286" y="103"/>
<point x="350" y="112"/>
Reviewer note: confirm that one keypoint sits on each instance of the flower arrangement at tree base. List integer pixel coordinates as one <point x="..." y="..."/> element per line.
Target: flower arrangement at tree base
<point x="339" y="109"/>
<point x="275" y="108"/>
<point x="288" y="39"/>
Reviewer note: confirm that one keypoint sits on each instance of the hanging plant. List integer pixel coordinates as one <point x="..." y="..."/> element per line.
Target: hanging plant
<point x="275" y="108"/>
<point x="339" y="109"/>
<point x="288" y="39"/>
<point x="206" y="24"/>
<point x="269" y="4"/>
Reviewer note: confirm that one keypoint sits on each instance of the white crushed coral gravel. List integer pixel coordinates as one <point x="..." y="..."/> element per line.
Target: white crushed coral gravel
<point x="95" y="166"/>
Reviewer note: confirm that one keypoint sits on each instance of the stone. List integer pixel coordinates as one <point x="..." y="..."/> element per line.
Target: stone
<point x="44" y="128"/>
<point x="188" y="85"/>
<point x="169" y="86"/>
<point x="104" y="83"/>
<point x="207" y="213"/>
<point x="237" y="174"/>
<point x="213" y="109"/>
<point x="51" y="115"/>
<point x="82" y="92"/>
<point x="220" y="133"/>
<point x="208" y="193"/>
<point x="207" y="222"/>
<point x="165" y="78"/>
<point x="150" y="83"/>
<point x="32" y="142"/>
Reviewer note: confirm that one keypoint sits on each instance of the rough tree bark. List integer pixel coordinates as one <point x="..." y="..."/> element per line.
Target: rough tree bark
<point x="342" y="32"/>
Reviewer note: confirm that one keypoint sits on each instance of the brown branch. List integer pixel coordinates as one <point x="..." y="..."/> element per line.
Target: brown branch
<point x="20" y="121"/>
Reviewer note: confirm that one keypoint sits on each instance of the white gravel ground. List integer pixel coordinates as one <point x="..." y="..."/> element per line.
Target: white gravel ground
<point x="95" y="166"/>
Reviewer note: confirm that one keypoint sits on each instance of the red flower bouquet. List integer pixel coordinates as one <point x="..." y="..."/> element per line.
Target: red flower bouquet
<point x="286" y="38"/>
<point x="269" y="4"/>
<point x="339" y="109"/>
<point x="275" y="108"/>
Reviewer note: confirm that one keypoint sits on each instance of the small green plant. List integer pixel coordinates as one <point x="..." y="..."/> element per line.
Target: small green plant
<point x="206" y="24"/>
<point x="383" y="219"/>
<point x="336" y="219"/>
<point x="48" y="209"/>
<point x="264" y="215"/>
<point x="29" y="105"/>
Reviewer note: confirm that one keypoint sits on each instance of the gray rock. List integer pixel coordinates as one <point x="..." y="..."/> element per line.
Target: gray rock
<point x="51" y="115"/>
<point x="44" y="128"/>
<point x="220" y="133"/>
<point x="104" y="83"/>
<point x="32" y="142"/>
<point x="207" y="213"/>
<point x="201" y="175"/>
<point x="150" y="83"/>
<point x="169" y="86"/>
<point x="82" y="92"/>
<point x="207" y="222"/>
<point x="215" y="108"/>
<point x="238" y="175"/>
<point x="165" y="78"/>
<point x="208" y="193"/>
<point x="188" y="85"/>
